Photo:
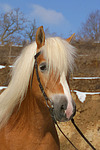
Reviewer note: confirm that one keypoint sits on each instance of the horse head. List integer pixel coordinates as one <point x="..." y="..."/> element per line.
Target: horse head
<point x="53" y="64"/>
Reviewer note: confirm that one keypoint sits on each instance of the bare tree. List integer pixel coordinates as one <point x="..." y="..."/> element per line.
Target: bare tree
<point x="31" y="31"/>
<point x="90" y="30"/>
<point x="11" y="26"/>
<point x="15" y="28"/>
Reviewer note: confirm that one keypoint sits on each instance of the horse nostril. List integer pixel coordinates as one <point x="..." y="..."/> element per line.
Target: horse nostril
<point x="62" y="107"/>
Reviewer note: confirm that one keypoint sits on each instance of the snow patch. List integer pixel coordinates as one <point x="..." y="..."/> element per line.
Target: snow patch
<point x="82" y="95"/>
<point x="11" y="66"/>
<point x="86" y="78"/>
<point x="1" y="66"/>
<point x="3" y="87"/>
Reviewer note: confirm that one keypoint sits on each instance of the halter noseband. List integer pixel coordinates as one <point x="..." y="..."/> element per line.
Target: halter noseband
<point x="50" y="105"/>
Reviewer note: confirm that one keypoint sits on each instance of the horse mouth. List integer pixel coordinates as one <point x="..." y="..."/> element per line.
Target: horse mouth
<point x="62" y="117"/>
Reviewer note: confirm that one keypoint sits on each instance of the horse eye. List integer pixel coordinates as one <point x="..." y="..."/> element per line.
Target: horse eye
<point x="43" y="67"/>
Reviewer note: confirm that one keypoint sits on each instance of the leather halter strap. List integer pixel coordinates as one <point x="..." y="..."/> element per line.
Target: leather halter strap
<point x="48" y="101"/>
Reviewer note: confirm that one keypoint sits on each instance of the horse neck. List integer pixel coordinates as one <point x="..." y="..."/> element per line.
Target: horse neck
<point x="32" y="124"/>
<point x="32" y="113"/>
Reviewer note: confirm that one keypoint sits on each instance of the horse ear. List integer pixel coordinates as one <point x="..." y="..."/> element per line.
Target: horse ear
<point x="40" y="37"/>
<point x="70" y="38"/>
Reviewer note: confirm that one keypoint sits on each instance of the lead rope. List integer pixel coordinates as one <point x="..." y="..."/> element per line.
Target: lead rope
<point x="65" y="136"/>
<point x="80" y="132"/>
<point x="49" y="103"/>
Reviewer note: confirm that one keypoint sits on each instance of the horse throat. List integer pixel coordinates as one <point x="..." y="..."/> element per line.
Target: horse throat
<point x="32" y="114"/>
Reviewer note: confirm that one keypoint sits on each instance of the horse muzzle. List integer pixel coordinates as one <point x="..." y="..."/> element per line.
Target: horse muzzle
<point x="63" y="111"/>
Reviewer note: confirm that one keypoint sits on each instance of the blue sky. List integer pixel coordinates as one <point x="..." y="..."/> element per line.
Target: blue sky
<point x="61" y="16"/>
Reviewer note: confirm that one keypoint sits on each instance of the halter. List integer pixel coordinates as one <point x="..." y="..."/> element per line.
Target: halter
<point x="48" y="101"/>
<point x="50" y="105"/>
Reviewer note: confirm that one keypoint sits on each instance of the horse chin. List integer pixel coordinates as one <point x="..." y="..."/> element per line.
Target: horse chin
<point x="63" y="118"/>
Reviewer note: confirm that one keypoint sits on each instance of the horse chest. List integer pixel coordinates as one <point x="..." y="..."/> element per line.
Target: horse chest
<point x="27" y="141"/>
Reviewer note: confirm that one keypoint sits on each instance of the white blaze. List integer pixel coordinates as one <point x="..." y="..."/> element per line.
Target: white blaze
<point x="69" y="110"/>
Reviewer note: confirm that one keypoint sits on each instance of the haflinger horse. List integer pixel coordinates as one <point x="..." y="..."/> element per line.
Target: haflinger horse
<point x="25" y="120"/>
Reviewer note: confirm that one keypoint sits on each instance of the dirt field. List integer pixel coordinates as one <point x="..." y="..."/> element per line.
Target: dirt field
<point x="88" y="113"/>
